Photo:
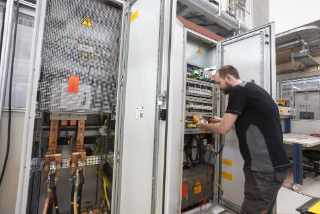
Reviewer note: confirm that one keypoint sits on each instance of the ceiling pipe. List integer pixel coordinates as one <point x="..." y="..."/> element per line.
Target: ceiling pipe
<point x="288" y="46"/>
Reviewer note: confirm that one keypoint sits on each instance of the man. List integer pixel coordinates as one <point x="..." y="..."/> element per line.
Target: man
<point x="254" y="115"/>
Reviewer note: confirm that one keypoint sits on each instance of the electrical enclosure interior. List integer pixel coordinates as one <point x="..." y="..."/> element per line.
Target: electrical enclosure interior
<point x="198" y="157"/>
<point x="76" y="108"/>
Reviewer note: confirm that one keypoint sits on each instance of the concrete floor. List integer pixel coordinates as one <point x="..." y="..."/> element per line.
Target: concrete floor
<point x="288" y="201"/>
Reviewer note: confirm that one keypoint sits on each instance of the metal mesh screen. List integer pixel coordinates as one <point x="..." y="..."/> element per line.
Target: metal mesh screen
<point x="81" y="39"/>
<point x="195" y="189"/>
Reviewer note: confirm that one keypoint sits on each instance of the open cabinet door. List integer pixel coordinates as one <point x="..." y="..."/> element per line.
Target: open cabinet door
<point x="139" y="109"/>
<point x="253" y="55"/>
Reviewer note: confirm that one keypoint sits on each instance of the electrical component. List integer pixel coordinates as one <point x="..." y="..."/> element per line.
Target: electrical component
<point x="198" y="107"/>
<point x="198" y="91"/>
<point x="193" y="186"/>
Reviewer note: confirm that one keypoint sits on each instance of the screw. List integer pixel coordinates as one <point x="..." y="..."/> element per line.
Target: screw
<point x="81" y="124"/>
<point x="46" y="168"/>
<point x="54" y="124"/>
<point x="80" y="134"/>
<point x="53" y="134"/>
<point x="73" y="165"/>
<point x="58" y="166"/>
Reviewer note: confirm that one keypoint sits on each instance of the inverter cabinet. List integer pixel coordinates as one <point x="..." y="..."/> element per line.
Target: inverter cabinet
<point x="253" y="55"/>
<point x="97" y="60"/>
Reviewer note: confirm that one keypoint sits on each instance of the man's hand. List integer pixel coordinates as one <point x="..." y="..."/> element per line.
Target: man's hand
<point x="215" y="119"/>
<point x="222" y="127"/>
<point x="201" y="125"/>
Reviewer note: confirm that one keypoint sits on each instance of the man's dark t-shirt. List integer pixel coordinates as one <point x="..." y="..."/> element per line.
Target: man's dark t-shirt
<point x="258" y="128"/>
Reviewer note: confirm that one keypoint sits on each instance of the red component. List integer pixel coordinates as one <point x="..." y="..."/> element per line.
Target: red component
<point x="184" y="190"/>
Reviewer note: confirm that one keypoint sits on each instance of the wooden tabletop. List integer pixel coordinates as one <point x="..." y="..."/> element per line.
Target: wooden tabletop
<point x="305" y="140"/>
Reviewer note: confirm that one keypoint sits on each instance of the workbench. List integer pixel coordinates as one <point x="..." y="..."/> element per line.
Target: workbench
<point x="298" y="141"/>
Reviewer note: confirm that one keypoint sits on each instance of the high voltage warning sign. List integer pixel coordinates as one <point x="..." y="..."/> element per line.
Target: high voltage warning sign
<point x="199" y="50"/>
<point x="87" y="22"/>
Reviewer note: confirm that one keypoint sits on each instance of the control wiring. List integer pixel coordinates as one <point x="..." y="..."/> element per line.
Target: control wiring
<point x="105" y="184"/>
<point x="189" y="147"/>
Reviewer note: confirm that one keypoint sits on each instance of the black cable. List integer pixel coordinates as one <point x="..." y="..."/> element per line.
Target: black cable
<point x="56" y="202"/>
<point x="10" y="91"/>
<point x="189" y="148"/>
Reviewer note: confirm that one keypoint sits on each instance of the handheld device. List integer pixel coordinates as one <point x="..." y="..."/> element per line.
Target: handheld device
<point x="197" y="118"/>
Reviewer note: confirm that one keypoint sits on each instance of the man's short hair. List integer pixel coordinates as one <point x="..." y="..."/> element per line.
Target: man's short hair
<point x="228" y="69"/>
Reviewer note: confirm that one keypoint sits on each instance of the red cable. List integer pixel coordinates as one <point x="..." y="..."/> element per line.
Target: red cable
<point x="289" y="178"/>
<point x="284" y="184"/>
<point x="201" y="169"/>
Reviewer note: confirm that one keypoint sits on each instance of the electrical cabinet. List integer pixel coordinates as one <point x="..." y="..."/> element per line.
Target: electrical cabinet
<point x="92" y="123"/>
<point x="100" y="73"/>
<point x="211" y="162"/>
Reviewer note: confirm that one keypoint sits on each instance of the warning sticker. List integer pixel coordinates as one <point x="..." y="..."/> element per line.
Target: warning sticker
<point x="197" y="189"/>
<point x="184" y="190"/>
<point x="139" y="113"/>
<point x="73" y="84"/>
<point x="227" y="162"/>
<point x="199" y="50"/>
<point x="198" y="183"/>
<point x="134" y="15"/>
<point x="227" y="176"/>
<point x="87" y="22"/>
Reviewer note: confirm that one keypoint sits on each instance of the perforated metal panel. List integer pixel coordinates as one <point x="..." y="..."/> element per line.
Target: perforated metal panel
<point x="81" y="39"/>
<point x="198" y="183"/>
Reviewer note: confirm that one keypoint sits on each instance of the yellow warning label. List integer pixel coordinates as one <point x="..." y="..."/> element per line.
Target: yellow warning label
<point x="134" y="15"/>
<point x="197" y="189"/>
<point x="198" y="183"/>
<point x="199" y="50"/>
<point x="227" y="176"/>
<point x="87" y="22"/>
<point x="227" y="162"/>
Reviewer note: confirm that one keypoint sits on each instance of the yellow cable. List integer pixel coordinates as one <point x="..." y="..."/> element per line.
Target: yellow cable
<point x="105" y="184"/>
<point x="218" y="185"/>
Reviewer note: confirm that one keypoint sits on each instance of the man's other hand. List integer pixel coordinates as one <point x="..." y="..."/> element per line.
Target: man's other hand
<point x="201" y="125"/>
<point x="215" y="119"/>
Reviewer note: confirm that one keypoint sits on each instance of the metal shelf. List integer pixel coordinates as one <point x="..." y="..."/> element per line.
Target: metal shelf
<point x="199" y="66"/>
<point x="198" y="82"/>
<point x="198" y="99"/>
<point x="195" y="131"/>
<point x="203" y="114"/>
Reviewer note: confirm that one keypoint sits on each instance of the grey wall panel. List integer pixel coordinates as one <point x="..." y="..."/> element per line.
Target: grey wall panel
<point x="138" y="137"/>
<point x="8" y="188"/>
<point x="245" y="56"/>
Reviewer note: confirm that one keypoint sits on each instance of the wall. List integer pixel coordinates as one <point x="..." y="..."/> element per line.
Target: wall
<point x="289" y="14"/>
<point x="260" y="13"/>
